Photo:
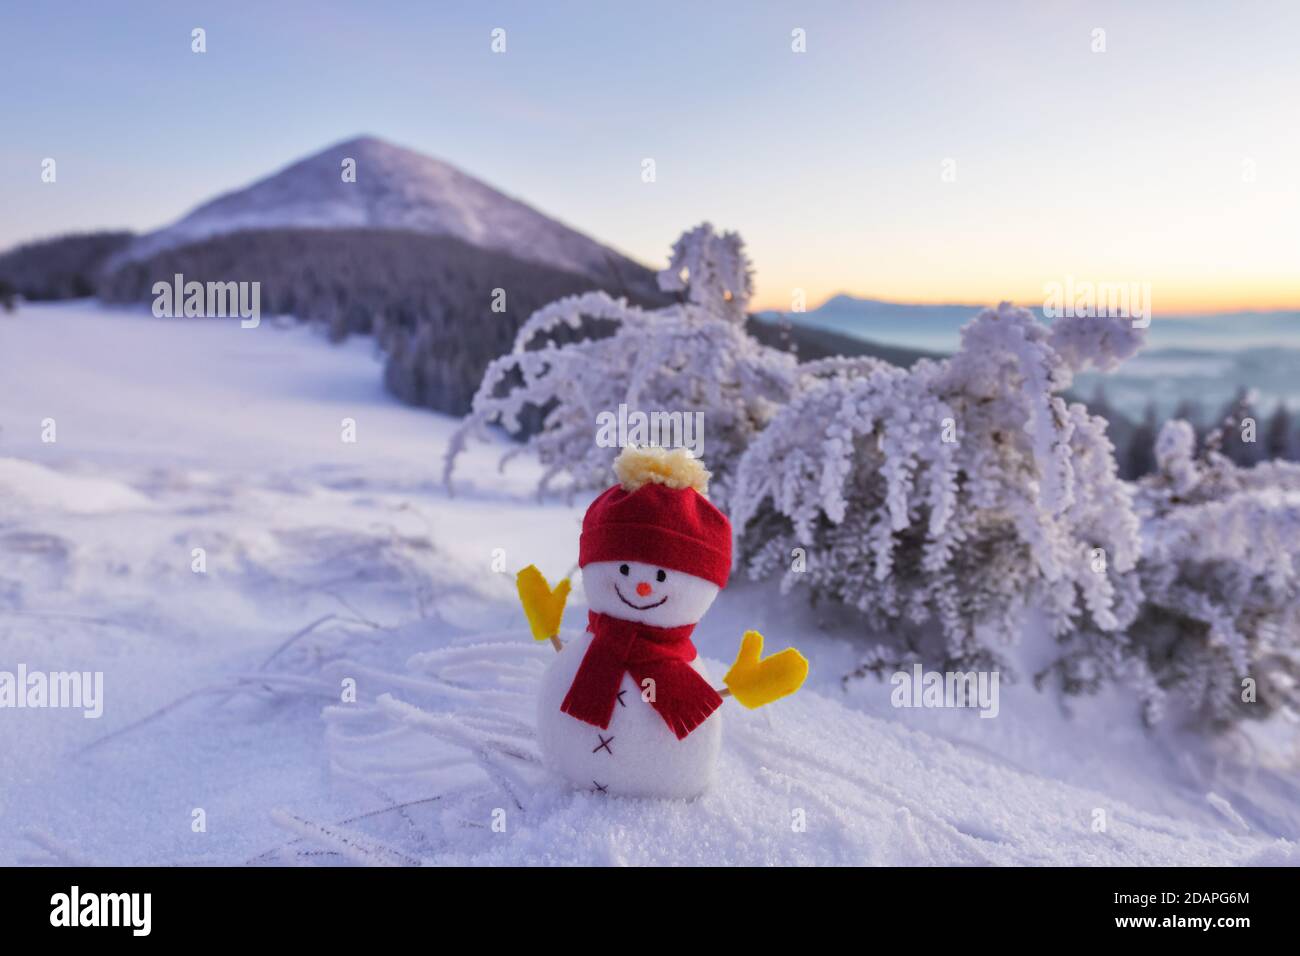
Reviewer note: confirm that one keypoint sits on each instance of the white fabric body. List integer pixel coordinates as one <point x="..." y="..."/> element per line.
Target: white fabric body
<point x="637" y="755"/>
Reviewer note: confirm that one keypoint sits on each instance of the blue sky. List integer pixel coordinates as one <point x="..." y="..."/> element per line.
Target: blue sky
<point x="1173" y="157"/>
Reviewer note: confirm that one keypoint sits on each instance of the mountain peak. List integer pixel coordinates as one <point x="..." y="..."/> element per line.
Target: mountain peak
<point x="843" y="300"/>
<point x="394" y="187"/>
<point x="368" y="145"/>
<point x="362" y="140"/>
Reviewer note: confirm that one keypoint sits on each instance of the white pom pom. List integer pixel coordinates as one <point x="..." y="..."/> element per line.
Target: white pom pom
<point x="674" y="467"/>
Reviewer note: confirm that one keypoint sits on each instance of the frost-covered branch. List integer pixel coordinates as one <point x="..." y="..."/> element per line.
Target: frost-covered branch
<point x="688" y="358"/>
<point x="947" y="501"/>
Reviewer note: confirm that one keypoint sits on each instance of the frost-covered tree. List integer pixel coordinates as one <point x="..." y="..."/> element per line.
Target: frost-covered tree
<point x="1237" y="432"/>
<point x="1280" y="434"/>
<point x="429" y="301"/>
<point x="1139" y="457"/>
<point x="1219" y="629"/>
<point x="692" y="356"/>
<point x="947" y="501"/>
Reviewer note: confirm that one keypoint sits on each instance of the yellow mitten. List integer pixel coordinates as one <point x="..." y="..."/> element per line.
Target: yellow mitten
<point x="543" y="607"/>
<point x="755" y="683"/>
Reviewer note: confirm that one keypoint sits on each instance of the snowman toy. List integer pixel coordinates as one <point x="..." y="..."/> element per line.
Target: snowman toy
<point x="628" y="708"/>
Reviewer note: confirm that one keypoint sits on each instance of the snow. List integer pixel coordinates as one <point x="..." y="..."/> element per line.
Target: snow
<point x="34" y="487"/>
<point x="809" y="782"/>
<point x="330" y="562"/>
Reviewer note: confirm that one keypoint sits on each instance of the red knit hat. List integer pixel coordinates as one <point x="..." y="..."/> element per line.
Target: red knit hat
<point x="656" y="515"/>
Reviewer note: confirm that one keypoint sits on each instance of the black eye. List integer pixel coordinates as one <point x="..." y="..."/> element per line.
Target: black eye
<point x="622" y="569"/>
<point x="662" y="575"/>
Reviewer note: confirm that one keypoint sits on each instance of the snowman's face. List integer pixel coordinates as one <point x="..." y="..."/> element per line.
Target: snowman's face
<point x="646" y="593"/>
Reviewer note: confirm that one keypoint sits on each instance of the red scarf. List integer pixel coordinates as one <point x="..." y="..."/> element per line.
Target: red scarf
<point x="683" y="698"/>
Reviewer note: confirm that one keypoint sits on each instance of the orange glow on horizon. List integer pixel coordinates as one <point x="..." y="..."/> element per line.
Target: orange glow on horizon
<point x="1277" y="296"/>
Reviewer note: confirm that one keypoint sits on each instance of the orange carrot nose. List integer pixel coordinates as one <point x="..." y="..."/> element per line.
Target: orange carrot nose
<point x="644" y="589"/>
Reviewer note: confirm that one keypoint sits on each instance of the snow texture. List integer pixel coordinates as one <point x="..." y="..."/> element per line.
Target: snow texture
<point x="329" y="562"/>
<point x="809" y="782"/>
<point x="1220" y="572"/>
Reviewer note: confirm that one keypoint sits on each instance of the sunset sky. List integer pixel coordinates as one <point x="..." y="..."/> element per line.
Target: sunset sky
<point x="1173" y="157"/>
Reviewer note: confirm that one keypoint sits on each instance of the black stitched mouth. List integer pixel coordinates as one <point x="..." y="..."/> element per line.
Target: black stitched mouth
<point x="637" y="606"/>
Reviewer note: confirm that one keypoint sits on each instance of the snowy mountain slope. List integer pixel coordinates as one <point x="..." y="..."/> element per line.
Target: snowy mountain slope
<point x="395" y="188"/>
<point x="327" y="560"/>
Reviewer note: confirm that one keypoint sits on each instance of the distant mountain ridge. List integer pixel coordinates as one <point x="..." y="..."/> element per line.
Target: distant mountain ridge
<point x="937" y="327"/>
<point x="928" y="327"/>
<point x="395" y="188"/>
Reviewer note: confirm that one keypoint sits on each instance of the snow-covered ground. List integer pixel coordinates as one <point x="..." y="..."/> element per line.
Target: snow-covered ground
<point x="331" y="562"/>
